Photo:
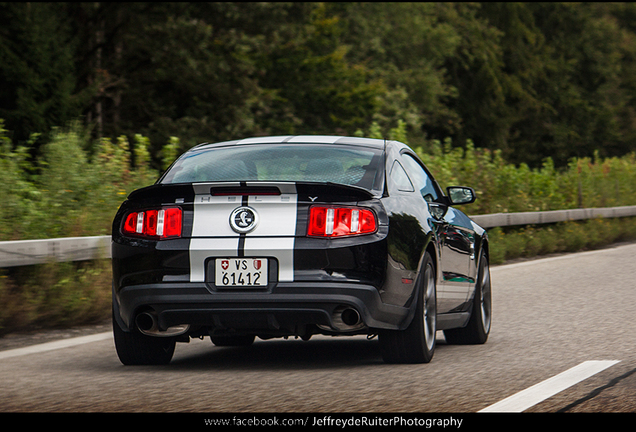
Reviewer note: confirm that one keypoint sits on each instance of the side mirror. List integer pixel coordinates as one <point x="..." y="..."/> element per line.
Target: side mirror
<point x="460" y="195"/>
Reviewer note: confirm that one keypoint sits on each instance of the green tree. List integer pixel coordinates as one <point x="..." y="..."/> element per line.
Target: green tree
<point x="581" y="84"/>
<point x="316" y="87"/>
<point x="36" y="69"/>
<point x="533" y="80"/>
<point x="500" y="102"/>
<point x="404" y="46"/>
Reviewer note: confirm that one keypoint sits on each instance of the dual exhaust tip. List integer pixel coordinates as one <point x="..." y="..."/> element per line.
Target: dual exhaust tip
<point x="147" y="324"/>
<point x="344" y="318"/>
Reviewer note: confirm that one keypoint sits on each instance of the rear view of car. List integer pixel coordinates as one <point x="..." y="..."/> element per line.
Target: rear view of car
<point x="263" y="237"/>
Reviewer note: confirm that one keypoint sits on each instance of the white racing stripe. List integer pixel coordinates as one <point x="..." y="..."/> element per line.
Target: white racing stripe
<point x="212" y="235"/>
<point x="212" y="216"/>
<point x="203" y="248"/>
<point x="531" y="396"/>
<point x="282" y="248"/>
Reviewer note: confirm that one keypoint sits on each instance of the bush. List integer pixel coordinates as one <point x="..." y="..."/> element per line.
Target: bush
<point x="54" y="295"/>
<point x="75" y="187"/>
<point x="506" y="188"/>
<point x="529" y="241"/>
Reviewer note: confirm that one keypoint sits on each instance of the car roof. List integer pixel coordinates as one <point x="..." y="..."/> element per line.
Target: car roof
<point x="299" y="139"/>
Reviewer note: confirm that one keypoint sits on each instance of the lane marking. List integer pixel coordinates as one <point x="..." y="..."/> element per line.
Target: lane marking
<point x="531" y="396"/>
<point x="563" y="256"/>
<point x="49" y="346"/>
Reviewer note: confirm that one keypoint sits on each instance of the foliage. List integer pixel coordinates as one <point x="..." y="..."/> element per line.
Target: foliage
<point x="532" y="104"/>
<point x="531" y="79"/>
<point x="503" y="187"/>
<point x="37" y="76"/>
<point x="76" y="184"/>
<point x="506" y="188"/>
<point x="68" y="191"/>
<point x="531" y="241"/>
<point x="75" y="187"/>
<point x="55" y="295"/>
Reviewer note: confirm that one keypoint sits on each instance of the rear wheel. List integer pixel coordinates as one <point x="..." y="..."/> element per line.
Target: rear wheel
<point x="416" y="343"/>
<point x="478" y="327"/>
<point x="134" y="348"/>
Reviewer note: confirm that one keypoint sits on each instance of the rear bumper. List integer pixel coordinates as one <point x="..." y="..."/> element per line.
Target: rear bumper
<point x="278" y="311"/>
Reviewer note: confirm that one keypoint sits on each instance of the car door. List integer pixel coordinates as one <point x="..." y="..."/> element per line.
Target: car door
<point x="455" y="240"/>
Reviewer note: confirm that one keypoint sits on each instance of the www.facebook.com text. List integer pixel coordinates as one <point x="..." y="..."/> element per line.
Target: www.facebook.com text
<point x="335" y="421"/>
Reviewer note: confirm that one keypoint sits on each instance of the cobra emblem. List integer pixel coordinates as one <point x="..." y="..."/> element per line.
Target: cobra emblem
<point x="243" y="219"/>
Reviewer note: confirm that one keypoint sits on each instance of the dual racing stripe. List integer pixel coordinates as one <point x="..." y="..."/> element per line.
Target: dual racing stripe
<point x="273" y="237"/>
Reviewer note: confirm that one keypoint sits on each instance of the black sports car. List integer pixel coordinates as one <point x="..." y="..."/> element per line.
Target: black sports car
<point x="295" y="236"/>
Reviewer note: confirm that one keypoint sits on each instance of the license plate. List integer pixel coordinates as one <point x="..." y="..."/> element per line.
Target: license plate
<point x="240" y="272"/>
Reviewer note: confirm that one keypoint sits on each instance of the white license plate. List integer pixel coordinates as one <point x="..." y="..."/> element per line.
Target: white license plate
<point x="240" y="272"/>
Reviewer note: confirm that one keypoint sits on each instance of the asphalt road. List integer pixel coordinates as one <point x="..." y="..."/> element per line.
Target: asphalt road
<point x="550" y="315"/>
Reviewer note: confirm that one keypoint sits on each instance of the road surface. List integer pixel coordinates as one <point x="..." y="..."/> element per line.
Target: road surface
<point x="562" y="340"/>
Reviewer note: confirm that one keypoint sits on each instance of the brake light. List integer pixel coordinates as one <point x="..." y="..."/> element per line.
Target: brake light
<point x="157" y="224"/>
<point x="340" y="221"/>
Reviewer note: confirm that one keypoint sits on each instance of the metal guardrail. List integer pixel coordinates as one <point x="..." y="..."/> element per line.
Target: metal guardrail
<point x="29" y="252"/>
<point x="532" y="218"/>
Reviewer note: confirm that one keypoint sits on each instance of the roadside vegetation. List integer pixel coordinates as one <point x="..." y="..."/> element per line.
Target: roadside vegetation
<point x="76" y="184"/>
<point x="530" y="103"/>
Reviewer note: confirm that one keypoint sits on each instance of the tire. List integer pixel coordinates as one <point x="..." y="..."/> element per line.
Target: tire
<point x="478" y="327"/>
<point x="416" y="343"/>
<point x="134" y="348"/>
<point x="245" y="340"/>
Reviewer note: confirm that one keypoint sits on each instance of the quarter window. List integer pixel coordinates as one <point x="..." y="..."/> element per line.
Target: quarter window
<point x="421" y="180"/>
<point x="400" y="178"/>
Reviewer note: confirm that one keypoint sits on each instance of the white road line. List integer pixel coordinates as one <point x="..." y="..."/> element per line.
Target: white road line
<point x="64" y="343"/>
<point x="523" y="400"/>
<point x="564" y="256"/>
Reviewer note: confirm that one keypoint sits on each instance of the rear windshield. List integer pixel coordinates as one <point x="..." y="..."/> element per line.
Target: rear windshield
<point x="356" y="166"/>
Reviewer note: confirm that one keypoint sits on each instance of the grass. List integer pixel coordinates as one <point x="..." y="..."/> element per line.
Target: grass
<point x="537" y="240"/>
<point x="61" y="295"/>
<point x="76" y="185"/>
<point x="54" y="295"/>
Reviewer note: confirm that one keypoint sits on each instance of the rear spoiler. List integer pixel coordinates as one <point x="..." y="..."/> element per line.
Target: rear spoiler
<point x="331" y="192"/>
<point x="184" y="192"/>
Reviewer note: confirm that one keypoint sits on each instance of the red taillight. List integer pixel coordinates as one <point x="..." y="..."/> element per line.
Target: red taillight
<point x="157" y="224"/>
<point x="340" y="221"/>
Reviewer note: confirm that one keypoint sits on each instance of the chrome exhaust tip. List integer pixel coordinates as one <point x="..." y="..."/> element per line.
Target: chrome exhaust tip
<point x="347" y="318"/>
<point x="350" y="317"/>
<point x="147" y="324"/>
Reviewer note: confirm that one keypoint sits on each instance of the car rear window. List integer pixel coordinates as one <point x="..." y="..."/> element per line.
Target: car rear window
<point x="279" y="162"/>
